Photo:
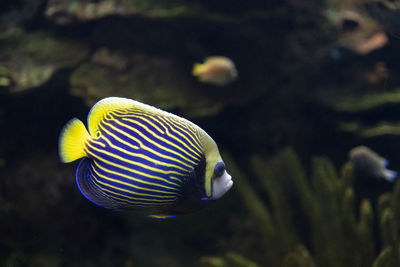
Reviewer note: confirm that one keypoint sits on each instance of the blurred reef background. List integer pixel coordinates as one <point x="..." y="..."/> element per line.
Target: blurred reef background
<point x="316" y="78"/>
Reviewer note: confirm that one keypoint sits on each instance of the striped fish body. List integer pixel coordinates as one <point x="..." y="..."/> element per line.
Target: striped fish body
<point x="140" y="157"/>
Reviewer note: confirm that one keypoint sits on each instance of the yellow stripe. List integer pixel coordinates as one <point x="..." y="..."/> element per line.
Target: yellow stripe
<point x="176" y="119"/>
<point x="143" y="114"/>
<point x="165" y="140"/>
<point x="181" y="135"/>
<point x="128" y="169"/>
<point x="187" y="128"/>
<point x="129" y="191"/>
<point x="139" y="155"/>
<point x="136" y="111"/>
<point x="153" y="142"/>
<point x="160" y="201"/>
<point x="120" y="201"/>
<point x="132" y="163"/>
<point x="185" y="125"/>
<point x="97" y="142"/>
<point x="142" y="118"/>
<point x="119" y="139"/>
<point x="144" y="147"/>
<point x="130" y="178"/>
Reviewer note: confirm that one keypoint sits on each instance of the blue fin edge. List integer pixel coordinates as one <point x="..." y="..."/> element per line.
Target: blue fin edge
<point x="385" y="163"/>
<point x="80" y="189"/>
<point x="161" y="216"/>
<point x="390" y="175"/>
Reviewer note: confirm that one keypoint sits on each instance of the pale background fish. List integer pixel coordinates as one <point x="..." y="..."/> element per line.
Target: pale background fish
<point x="216" y="70"/>
<point x="369" y="163"/>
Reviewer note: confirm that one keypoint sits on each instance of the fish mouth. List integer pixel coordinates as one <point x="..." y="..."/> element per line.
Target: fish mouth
<point x="222" y="185"/>
<point x="229" y="183"/>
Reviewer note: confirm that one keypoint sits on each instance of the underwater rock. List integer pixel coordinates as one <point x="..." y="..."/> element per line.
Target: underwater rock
<point x="387" y="12"/>
<point x="23" y="186"/>
<point x="111" y="59"/>
<point x="68" y="11"/>
<point x="378" y="73"/>
<point x="29" y="59"/>
<point x="15" y="13"/>
<point x="355" y="28"/>
<point x="152" y="80"/>
<point x="71" y="11"/>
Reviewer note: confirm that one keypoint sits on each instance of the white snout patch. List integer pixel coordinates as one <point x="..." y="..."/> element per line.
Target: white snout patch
<point x="221" y="185"/>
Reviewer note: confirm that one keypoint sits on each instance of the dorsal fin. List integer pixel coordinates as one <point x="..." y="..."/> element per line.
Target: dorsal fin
<point x="113" y="103"/>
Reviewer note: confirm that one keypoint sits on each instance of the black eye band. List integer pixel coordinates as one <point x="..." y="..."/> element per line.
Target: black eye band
<point x="219" y="169"/>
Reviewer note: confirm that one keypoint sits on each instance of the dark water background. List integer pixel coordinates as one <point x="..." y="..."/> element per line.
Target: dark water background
<point x="295" y="64"/>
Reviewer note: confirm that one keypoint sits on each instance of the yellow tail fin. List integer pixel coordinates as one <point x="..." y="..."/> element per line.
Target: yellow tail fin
<point x="198" y="68"/>
<point x="72" y="141"/>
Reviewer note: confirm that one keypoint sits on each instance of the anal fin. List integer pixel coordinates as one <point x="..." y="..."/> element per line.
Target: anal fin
<point x="161" y="216"/>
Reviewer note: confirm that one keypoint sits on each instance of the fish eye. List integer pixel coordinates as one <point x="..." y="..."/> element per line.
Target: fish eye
<point x="219" y="169"/>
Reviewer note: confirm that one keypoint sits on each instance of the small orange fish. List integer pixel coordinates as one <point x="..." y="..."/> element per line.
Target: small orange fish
<point x="216" y="70"/>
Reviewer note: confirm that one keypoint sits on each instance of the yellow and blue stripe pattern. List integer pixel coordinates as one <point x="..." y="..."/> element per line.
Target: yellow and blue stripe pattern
<point x="140" y="159"/>
<point x="136" y="158"/>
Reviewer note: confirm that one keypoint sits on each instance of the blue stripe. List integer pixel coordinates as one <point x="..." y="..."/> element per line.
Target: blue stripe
<point x="144" y="199"/>
<point x="140" y="151"/>
<point x="117" y="195"/>
<point x="142" y="161"/>
<point x="189" y="155"/>
<point x="81" y="175"/>
<point x="131" y="182"/>
<point x="144" y="142"/>
<point x="162" y="123"/>
<point x="133" y="168"/>
<point x="112" y="194"/>
<point x="166" y="136"/>
<point x="172" y="125"/>
<point x="97" y="195"/>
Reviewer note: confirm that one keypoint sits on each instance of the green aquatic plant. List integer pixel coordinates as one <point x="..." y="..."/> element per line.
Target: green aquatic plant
<point x="367" y="101"/>
<point x="340" y="233"/>
<point x="379" y="129"/>
<point x="231" y="259"/>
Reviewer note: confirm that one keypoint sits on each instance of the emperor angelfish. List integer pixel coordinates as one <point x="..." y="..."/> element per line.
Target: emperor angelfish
<point x="136" y="156"/>
<point x="371" y="164"/>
